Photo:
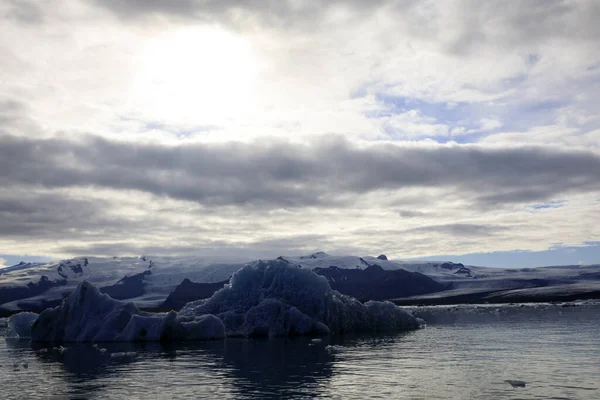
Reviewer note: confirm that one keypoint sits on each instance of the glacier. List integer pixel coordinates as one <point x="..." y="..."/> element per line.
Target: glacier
<point x="264" y="298"/>
<point x="148" y="282"/>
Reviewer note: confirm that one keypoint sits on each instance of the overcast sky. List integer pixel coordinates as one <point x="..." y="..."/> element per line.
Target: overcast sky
<point x="418" y="129"/>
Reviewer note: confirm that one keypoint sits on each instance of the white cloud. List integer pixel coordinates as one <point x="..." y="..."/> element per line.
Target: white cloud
<point x="412" y="124"/>
<point x="81" y="69"/>
<point x="408" y="73"/>
<point x="488" y="124"/>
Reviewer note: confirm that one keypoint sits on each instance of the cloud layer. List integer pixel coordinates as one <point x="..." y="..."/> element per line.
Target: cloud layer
<point x="326" y="172"/>
<point x="408" y="127"/>
<point x="270" y="196"/>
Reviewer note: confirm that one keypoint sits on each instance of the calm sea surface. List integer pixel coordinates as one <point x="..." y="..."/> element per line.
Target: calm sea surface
<point x="555" y="352"/>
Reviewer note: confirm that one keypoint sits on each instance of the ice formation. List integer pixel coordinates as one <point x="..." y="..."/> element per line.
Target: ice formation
<point x="276" y="298"/>
<point x="263" y="299"/>
<point x="515" y="383"/>
<point x="464" y="313"/>
<point x="89" y="316"/>
<point x="19" y="325"/>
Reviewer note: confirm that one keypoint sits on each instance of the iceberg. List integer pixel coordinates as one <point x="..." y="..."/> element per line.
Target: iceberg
<point x="264" y="298"/>
<point x="19" y="325"/>
<point x="87" y="315"/>
<point x="272" y="298"/>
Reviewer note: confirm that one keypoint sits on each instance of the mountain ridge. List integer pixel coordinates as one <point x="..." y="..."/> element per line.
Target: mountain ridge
<point x="148" y="281"/>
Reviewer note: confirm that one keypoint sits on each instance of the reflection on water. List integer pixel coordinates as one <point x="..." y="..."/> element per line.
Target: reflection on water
<point x="555" y="355"/>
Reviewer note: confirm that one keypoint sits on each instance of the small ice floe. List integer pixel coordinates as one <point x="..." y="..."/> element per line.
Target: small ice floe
<point x="515" y="383"/>
<point x="102" y="350"/>
<point x="60" y="349"/>
<point x="317" y="341"/>
<point x="332" y="349"/>
<point x="19" y="325"/>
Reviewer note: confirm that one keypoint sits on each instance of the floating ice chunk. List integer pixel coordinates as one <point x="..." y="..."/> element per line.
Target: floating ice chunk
<point x="87" y="315"/>
<point x="276" y="298"/>
<point x="387" y="317"/>
<point x="515" y="383"/>
<point x="333" y="348"/>
<point x="19" y="325"/>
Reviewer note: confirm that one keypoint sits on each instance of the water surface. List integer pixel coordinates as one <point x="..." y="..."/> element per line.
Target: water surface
<point x="555" y="351"/>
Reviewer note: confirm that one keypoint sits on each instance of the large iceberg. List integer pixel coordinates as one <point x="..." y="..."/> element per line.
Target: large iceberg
<point x="271" y="298"/>
<point x="262" y="299"/>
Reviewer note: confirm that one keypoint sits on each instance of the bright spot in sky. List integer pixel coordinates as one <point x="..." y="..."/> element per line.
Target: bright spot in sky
<point x="202" y="76"/>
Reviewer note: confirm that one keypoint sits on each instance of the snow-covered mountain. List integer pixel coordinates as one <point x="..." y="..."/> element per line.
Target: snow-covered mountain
<point x="148" y="281"/>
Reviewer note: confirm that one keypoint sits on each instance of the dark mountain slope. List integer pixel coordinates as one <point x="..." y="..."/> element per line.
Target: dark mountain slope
<point x="375" y="283"/>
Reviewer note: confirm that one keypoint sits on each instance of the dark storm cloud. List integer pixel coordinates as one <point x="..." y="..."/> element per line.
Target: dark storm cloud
<point x="275" y="174"/>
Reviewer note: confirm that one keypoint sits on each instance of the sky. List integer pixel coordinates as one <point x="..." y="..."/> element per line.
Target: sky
<point x="418" y="129"/>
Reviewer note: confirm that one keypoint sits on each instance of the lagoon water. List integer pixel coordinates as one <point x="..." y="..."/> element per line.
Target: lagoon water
<point x="554" y="351"/>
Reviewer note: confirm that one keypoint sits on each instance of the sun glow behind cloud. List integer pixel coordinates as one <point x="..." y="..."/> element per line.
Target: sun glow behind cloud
<point x="196" y="76"/>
